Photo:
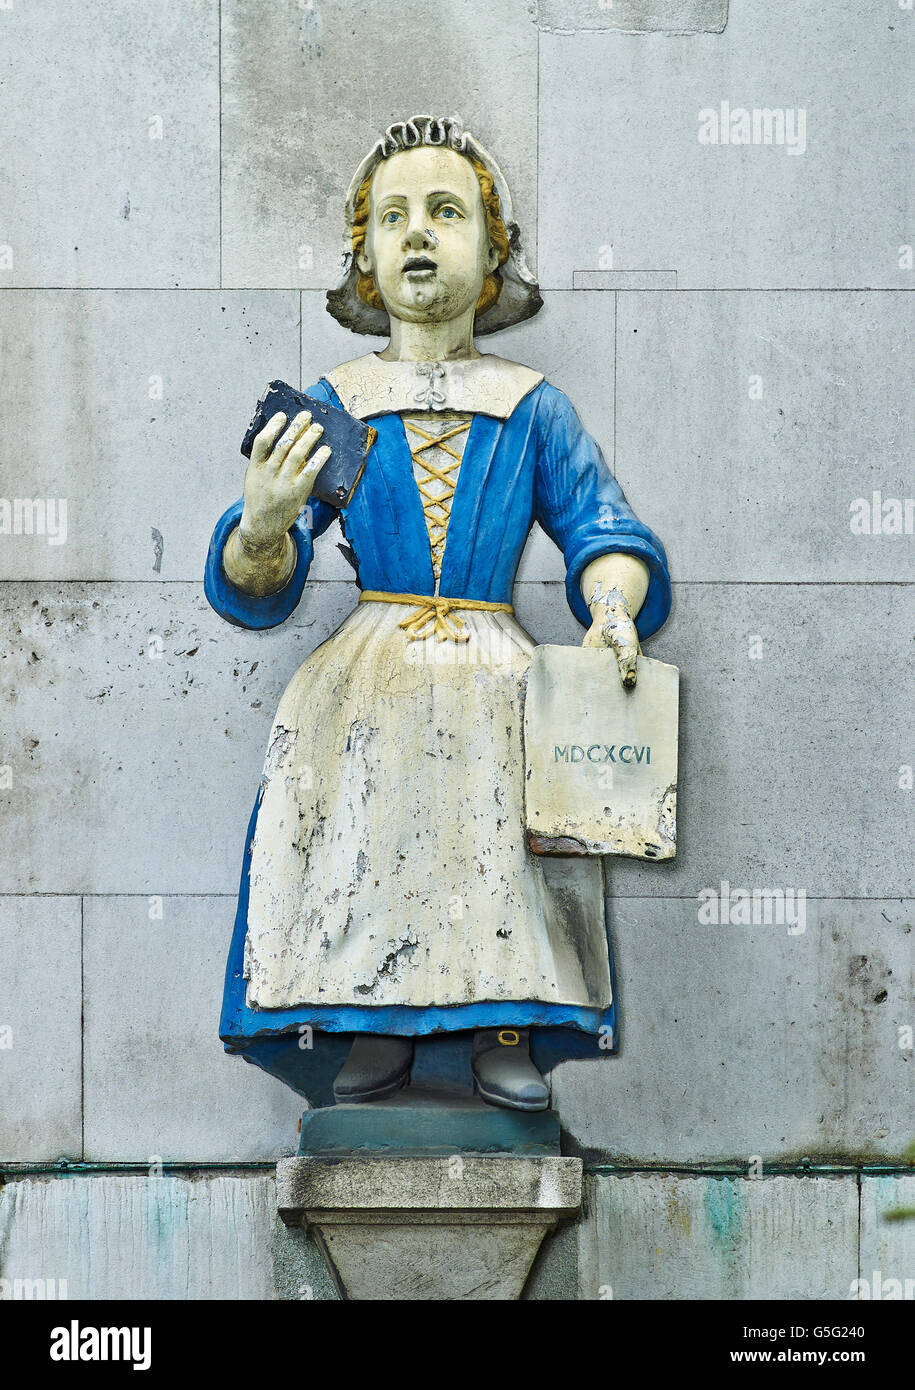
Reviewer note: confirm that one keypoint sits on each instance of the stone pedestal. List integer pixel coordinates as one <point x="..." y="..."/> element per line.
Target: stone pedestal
<point x="444" y="1199"/>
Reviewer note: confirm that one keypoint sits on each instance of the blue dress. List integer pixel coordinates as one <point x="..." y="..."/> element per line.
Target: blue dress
<point x="537" y="464"/>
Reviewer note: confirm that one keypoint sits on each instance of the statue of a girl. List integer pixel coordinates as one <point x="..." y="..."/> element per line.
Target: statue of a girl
<point x="388" y="891"/>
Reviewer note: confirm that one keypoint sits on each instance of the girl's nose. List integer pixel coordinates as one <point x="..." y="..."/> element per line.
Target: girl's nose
<point x="420" y="238"/>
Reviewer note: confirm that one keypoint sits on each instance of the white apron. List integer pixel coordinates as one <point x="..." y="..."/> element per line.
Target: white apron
<point x="389" y="864"/>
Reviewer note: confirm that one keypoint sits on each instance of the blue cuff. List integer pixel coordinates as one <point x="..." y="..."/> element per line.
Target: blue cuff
<point x="656" y="607"/>
<point x="246" y="610"/>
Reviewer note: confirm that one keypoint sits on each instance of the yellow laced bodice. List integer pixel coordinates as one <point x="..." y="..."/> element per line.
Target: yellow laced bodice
<point x="437" y="442"/>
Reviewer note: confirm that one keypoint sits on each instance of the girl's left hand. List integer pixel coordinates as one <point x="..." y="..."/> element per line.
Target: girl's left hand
<point x="612" y="626"/>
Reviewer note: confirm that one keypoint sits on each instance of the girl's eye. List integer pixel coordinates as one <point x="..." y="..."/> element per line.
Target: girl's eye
<point x="450" y="213"/>
<point x="390" y="218"/>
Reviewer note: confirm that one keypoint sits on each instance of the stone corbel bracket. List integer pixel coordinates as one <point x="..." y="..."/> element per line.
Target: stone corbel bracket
<point x="462" y="1227"/>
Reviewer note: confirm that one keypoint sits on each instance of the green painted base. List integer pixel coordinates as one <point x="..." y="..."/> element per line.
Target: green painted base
<point x="428" y="1123"/>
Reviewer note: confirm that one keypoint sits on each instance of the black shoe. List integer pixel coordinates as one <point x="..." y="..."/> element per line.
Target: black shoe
<point x="503" y="1071"/>
<point x="377" y="1066"/>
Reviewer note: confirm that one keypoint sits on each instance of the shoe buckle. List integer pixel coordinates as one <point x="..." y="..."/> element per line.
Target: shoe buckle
<point x="508" y="1037"/>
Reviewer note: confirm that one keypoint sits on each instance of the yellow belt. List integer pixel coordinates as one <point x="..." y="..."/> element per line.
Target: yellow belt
<point x="434" y="609"/>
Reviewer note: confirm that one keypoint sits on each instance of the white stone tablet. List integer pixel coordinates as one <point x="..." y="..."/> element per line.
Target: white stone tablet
<point x="600" y="771"/>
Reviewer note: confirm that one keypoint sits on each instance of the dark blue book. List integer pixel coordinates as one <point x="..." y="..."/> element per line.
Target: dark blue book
<point x="349" y="439"/>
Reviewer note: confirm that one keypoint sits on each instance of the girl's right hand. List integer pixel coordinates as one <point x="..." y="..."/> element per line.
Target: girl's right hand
<point x="279" y="479"/>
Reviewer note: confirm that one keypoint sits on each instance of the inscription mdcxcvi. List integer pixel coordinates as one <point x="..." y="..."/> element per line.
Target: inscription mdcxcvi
<point x="601" y="753"/>
<point x="588" y="795"/>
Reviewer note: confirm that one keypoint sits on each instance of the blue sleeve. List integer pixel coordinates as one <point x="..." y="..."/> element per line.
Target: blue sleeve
<point x="581" y="507"/>
<point x="246" y="610"/>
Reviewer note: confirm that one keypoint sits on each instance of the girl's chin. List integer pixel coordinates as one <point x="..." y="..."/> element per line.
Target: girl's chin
<point x="432" y="310"/>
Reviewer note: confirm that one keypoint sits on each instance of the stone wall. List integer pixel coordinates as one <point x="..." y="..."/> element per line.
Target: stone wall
<point x="734" y="325"/>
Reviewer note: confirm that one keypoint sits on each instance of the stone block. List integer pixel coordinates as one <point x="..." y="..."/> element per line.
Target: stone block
<point x="747" y="1045"/>
<point x="887" y="1261"/>
<point x="111" y="144"/>
<point x="40" y="1046"/>
<point x="752" y="431"/>
<point x="459" y="1228"/>
<point x="662" y="1236"/>
<point x="112" y="1238"/>
<point x="623" y="174"/>
<point x="136" y="722"/>
<point x="142" y="442"/>
<point x="158" y="1086"/>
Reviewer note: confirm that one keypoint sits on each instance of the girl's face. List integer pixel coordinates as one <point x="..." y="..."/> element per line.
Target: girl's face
<point x="426" y="241"/>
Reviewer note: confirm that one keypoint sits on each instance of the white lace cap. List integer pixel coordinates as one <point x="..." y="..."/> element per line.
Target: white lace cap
<point x="520" y="295"/>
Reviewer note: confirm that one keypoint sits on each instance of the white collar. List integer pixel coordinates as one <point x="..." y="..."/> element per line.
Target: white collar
<point x="486" y="385"/>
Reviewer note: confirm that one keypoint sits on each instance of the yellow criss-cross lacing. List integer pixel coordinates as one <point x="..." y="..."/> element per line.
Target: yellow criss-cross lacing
<point x="436" y="506"/>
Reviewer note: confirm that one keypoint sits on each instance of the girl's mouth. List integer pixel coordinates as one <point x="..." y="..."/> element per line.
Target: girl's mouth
<point x="418" y="263"/>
